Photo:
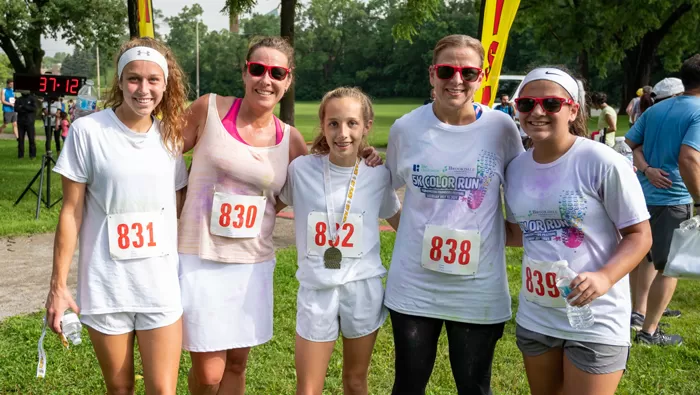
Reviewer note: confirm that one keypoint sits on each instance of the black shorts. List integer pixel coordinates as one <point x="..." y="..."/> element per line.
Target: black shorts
<point x="664" y="220"/>
<point x="9" y="117"/>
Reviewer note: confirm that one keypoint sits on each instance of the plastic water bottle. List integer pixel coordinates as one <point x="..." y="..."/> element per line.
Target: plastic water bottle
<point x="693" y="223"/>
<point x="87" y="100"/>
<point x="623" y="149"/>
<point x="71" y="328"/>
<point x="579" y="317"/>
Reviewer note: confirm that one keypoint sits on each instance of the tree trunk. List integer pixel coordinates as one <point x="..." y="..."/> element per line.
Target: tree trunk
<point x="585" y="72"/>
<point x="639" y="59"/>
<point x="133" y="14"/>
<point x="287" y="17"/>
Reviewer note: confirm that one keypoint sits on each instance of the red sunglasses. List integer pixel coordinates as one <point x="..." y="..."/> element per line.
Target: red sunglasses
<point x="446" y="71"/>
<point x="550" y="104"/>
<point x="258" y="70"/>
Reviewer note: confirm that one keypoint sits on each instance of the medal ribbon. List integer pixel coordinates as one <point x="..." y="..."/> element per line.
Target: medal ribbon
<point x="330" y="208"/>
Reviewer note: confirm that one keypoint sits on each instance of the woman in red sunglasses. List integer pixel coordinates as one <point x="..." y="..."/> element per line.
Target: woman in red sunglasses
<point x="239" y="165"/>
<point x="448" y="266"/>
<point x="578" y="208"/>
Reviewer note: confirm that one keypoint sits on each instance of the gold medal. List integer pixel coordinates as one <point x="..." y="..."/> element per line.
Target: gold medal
<point x="332" y="258"/>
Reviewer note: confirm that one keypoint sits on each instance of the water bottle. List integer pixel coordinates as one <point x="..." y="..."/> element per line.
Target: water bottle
<point x="71" y="328"/>
<point x="87" y="100"/>
<point x="623" y="149"/>
<point x="579" y="317"/>
<point x="693" y="223"/>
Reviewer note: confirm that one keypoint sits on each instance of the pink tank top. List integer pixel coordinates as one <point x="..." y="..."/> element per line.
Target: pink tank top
<point x="224" y="164"/>
<point x="229" y="123"/>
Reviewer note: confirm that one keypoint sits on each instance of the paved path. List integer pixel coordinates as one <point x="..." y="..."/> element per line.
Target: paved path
<point x="25" y="264"/>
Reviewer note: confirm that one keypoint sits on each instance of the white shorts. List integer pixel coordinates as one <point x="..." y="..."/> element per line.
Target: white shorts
<point x="355" y="308"/>
<point x="226" y="305"/>
<point x="121" y="323"/>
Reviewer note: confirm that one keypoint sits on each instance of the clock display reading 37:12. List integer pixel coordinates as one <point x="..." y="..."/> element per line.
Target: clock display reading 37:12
<point x="49" y="84"/>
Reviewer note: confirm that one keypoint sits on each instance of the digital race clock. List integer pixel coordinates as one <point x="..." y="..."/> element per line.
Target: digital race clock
<point x="49" y="84"/>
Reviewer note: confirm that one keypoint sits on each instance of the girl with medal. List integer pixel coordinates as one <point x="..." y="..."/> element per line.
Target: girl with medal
<point x="448" y="266"/>
<point x="337" y="202"/>
<point x="241" y="152"/>
<point x="577" y="207"/>
<point x="121" y="168"/>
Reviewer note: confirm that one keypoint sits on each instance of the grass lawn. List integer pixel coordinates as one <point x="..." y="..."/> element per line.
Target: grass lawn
<point x="650" y="371"/>
<point x="15" y="174"/>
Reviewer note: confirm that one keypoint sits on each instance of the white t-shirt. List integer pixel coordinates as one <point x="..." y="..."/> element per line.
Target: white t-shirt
<point x="373" y="199"/>
<point x="50" y="120"/>
<point x="571" y="210"/>
<point x="125" y="172"/>
<point x="453" y="176"/>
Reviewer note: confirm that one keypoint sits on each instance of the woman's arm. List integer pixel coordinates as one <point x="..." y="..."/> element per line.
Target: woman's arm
<point x="635" y="243"/>
<point x="195" y="119"/>
<point x="394" y="220"/>
<point x="69" y="221"/>
<point x="514" y="235"/>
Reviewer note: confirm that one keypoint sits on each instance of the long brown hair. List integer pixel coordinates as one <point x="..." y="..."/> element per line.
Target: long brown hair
<point x="320" y="145"/>
<point x="171" y="108"/>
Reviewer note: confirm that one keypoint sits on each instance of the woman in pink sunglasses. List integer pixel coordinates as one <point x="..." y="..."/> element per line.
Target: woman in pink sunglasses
<point x="448" y="266"/>
<point x="578" y="208"/>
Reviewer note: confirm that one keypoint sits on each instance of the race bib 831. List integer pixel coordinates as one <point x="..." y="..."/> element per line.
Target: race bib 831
<point x="136" y="235"/>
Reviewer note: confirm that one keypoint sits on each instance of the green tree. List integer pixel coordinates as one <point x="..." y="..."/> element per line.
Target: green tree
<point x="182" y="39"/>
<point x="603" y="35"/>
<point x="80" y="63"/>
<point x="261" y="25"/>
<point x="78" y="22"/>
<point x="6" y="70"/>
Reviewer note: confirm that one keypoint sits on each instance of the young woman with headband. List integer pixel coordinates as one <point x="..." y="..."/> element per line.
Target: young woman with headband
<point x="448" y="266"/>
<point x="573" y="203"/>
<point x="121" y="168"/>
<point x="227" y="259"/>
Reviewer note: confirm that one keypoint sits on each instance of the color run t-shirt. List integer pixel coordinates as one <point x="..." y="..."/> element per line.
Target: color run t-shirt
<point x="452" y="176"/>
<point x="571" y="210"/>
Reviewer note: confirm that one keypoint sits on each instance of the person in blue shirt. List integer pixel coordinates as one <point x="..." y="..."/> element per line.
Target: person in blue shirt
<point x="506" y="106"/>
<point x="666" y="141"/>
<point x="8" y="107"/>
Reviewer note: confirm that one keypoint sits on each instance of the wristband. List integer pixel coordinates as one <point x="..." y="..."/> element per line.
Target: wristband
<point x="645" y="170"/>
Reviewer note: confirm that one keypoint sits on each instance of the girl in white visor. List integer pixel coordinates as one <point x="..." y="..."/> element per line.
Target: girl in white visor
<point x="121" y="169"/>
<point x="573" y="203"/>
<point x="340" y="271"/>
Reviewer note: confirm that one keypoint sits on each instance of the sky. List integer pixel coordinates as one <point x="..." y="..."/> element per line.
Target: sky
<point x="212" y="17"/>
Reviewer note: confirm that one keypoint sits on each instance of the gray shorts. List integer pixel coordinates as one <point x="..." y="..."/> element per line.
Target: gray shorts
<point x="664" y="220"/>
<point x="9" y="117"/>
<point x="593" y="358"/>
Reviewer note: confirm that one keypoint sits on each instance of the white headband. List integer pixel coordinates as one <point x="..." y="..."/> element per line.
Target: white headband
<point x="555" y="75"/>
<point x="142" y="53"/>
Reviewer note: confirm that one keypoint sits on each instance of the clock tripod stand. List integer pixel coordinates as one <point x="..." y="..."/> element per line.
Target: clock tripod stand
<point x="47" y="162"/>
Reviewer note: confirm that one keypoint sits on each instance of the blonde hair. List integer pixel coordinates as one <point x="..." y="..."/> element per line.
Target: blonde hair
<point x="459" y="41"/>
<point x="171" y="108"/>
<point x="320" y="145"/>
